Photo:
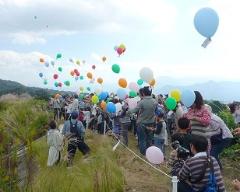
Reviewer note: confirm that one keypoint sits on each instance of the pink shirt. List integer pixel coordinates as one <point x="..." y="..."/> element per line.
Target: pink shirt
<point x="202" y="114"/>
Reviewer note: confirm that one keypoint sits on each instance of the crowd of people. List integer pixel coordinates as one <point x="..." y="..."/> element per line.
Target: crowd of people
<point x="198" y="136"/>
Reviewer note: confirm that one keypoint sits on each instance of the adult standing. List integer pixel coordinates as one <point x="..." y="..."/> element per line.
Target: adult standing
<point x="146" y="118"/>
<point x="56" y="107"/>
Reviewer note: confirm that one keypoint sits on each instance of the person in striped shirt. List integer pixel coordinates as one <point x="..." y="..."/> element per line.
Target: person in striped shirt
<point x="194" y="175"/>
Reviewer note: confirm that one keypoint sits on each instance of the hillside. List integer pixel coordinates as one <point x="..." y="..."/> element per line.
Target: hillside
<point x="12" y="87"/>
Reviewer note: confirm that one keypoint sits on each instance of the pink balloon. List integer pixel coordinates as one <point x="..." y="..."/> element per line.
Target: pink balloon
<point x="154" y="155"/>
<point x="119" y="50"/>
<point x="133" y="86"/>
<point x="132" y="102"/>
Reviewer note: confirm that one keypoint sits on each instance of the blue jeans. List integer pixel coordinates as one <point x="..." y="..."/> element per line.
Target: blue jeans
<point x="145" y="138"/>
<point x="159" y="143"/>
<point x="216" y="149"/>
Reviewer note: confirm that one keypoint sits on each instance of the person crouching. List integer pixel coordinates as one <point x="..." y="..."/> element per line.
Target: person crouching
<point x="74" y="131"/>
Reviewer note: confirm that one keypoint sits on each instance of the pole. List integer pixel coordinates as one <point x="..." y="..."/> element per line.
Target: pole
<point x="174" y="183"/>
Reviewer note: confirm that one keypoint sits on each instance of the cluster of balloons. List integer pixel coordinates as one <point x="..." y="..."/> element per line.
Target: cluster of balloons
<point x="58" y="84"/>
<point x="75" y="73"/>
<point x="120" y="49"/>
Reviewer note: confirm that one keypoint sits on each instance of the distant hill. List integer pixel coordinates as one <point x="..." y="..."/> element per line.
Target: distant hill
<point x="12" y="87"/>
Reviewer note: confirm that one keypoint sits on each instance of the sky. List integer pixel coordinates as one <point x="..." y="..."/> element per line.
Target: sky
<point x="158" y="34"/>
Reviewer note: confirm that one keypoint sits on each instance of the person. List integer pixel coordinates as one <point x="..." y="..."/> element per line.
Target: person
<point x="55" y="142"/>
<point x="75" y="104"/>
<point x="236" y="131"/>
<point x="196" y="171"/>
<point x="183" y="135"/>
<point x="200" y="117"/>
<point x="146" y="118"/>
<point x="236" y="185"/>
<point x="56" y="107"/>
<point x="160" y="132"/>
<point x="221" y="140"/>
<point x="74" y="131"/>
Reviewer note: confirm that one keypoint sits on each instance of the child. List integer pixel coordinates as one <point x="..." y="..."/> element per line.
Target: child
<point x="55" y="141"/>
<point x="183" y="135"/>
<point x="160" y="133"/>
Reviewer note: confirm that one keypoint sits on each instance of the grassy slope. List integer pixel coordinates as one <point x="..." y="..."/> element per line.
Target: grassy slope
<point x="105" y="170"/>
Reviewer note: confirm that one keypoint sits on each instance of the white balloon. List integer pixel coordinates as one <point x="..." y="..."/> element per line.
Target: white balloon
<point x="133" y="86"/>
<point x="154" y="155"/>
<point x="146" y="74"/>
<point x="118" y="107"/>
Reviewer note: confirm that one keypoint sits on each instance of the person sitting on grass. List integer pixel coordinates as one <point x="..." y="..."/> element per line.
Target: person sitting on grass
<point x="74" y="131"/>
<point x="200" y="172"/>
<point x="182" y="135"/>
<point x="55" y="142"/>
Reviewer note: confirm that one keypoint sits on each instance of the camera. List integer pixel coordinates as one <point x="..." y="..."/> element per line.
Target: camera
<point x="182" y="153"/>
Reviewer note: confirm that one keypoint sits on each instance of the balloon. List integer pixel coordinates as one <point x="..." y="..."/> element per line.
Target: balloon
<point x="41" y="75"/>
<point x="140" y="82"/>
<point x="71" y="60"/>
<point x="100" y="80"/>
<point x="88" y="88"/>
<point x="81" y="77"/>
<point x="35" y="17"/>
<point x="146" y="74"/>
<point x="47" y="64"/>
<point x="78" y="74"/>
<point x="188" y="97"/>
<point x="103" y="96"/>
<point x="120" y="51"/>
<point x="121" y="93"/>
<point x="45" y="82"/>
<point x="115" y="68"/>
<point x="60" y="84"/>
<point x="115" y="48"/>
<point x="78" y="62"/>
<point x="104" y="58"/>
<point x="98" y="91"/>
<point x="133" y="86"/>
<point x="81" y="88"/>
<point x="52" y="63"/>
<point x="67" y="83"/>
<point x="103" y="105"/>
<point x="111" y="108"/>
<point x="72" y="73"/>
<point x="83" y="61"/>
<point x="95" y="99"/>
<point x="132" y="94"/>
<point x="41" y="60"/>
<point x="171" y="103"/>
<point x="132" y="102"/>
<point x="122" y="83"/>
<point x="56" y="84"/>
<point x="206" y="22"/>
<point x="93" y="67"/>
<point x="122" y="46"/>
<point x="152" y="82"/>
<point x="59" y="56"/>
<point x="154" y="155"/>
<point x="118" y="107"/>
<point x="89" y="75"/>
<point x="60" y="69"/>
<point x="76" y="78"/>
<point x="55" y="76"/>
<point x="75" y="71"/>
<point x="176" y="94"/>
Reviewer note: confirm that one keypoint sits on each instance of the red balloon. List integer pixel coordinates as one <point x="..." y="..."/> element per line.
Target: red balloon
<point x="77" y="74"/>
<point x="76" y="71"/>
<point x="120" y="50"/>
<point x="93" y="67"/>
<point x="55" y="76"/>
<point x="60" y="84"/>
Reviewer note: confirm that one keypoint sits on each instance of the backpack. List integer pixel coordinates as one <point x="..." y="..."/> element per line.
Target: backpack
<point x="159" y="110"/>
<point x="159" y="127"/>
<point x="73" y="129"/>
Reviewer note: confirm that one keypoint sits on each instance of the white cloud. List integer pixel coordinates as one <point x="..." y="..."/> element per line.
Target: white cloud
<point x="27" y="38"/>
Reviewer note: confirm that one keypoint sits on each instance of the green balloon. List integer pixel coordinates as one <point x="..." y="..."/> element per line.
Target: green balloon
<point x="56" y="84"/>
<point x="88" y="88"/>
<point x="58" y="56"/>
<point x="140" y="82"/>
<point x="67" y="83"/>
<point x="45" y="82"/>
<point x="115" y="68"/>
<point x="171" y="103"/>
<point x="132" y="94"/>
<point x="60" y="69"/>
<point x="81" y="77"/>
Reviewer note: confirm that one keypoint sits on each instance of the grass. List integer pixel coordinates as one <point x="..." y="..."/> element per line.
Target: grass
<point x="108" y="171"/>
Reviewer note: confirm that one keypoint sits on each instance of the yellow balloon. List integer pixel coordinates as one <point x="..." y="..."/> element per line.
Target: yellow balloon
<point x="176" y="94"/>
<point x="95" y="99"/>
<point x="81" y="88"/>
<point x="78" y="62"/>
<point x="152" y="82"/>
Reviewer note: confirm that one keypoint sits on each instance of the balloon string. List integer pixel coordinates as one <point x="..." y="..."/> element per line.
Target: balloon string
<point x="136" y="155"/>
<point x="206" y="42"/>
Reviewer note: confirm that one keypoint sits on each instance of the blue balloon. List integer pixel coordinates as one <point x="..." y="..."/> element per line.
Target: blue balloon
<point x="41" y="75"/>
<point x="121" y="93"/>
<point x="206" y="22"/>
<point x="103" y="96"/>
<point x="111" y="108"/>
<point x="47" y="64"/>
<point x="188" y="97"/>
<point x="76" y="78"/>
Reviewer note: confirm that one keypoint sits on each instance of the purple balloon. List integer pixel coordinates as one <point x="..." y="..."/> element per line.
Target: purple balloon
<point x="154" y="155"/>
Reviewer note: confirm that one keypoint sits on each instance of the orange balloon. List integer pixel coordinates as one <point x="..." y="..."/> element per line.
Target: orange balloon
<point x="103" y="105"/>
<point x="41" y="60"/>
<point x="152" y="82"/>
<point x="100" y="80"/>
<point x="122" y="82"/>
<point x="72" y="73"/>
<point x="89" y="75"/>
